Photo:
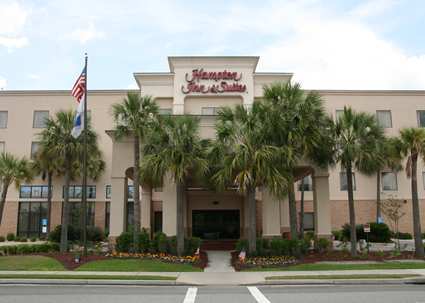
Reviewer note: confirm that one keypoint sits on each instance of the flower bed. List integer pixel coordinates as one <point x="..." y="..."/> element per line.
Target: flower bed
<point x="200" y="260"/>
<point x="270" y="261"/>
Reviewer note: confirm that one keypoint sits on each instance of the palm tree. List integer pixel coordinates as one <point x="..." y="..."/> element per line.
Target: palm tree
<point x="12" y="170"/>
<point x="246" y="158"/>
<point x="357" y="136"/>
<point x="134" y="116"/>
<point x="46" y="164"/>
<point x="298" y="122"/>
<point x="67" y="150"/>
<point x="412" y="146"/>
<point x="388" y="157"/>
<point x="175" y="149"/>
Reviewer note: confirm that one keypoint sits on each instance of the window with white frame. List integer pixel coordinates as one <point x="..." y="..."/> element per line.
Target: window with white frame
<point x="384" y="118"/>
<point x="34" y="149"/>
<point x="343" y="181"/>
<point x="389" y="181"/>
<point x="3" y="119"/>
<point x="40" y="118"/>
<point x="421" y="118"/>
<point x="108" y="191"/>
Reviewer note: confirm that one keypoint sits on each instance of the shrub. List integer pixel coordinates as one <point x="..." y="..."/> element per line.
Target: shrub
<point x="241" y="244"/>
<point x="172" y="245"/>
<point x="323" y="245"/>
<point x="160" y="242"/>
<point x="10" y="237"/>
<point x="23" y="239"/>
<point x="279" y="247"/>
<point x="338" y="235"/>
<point x="403" y="236"/>
<point x="2" y="239"/>
<point x="379" y="232"/>
<point x="95" y="234"/>
<point x="124" y="242"/>
<point x="346" y="232"/>
<point x="73" y="234"/>
<point x="33" y="239"/>
<point x="144" y="241"/>
<point x="24" y="249"/>
<point x="191" y="245"/>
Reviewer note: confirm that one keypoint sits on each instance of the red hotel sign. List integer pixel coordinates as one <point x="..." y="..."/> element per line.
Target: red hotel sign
<point x="222" y="84"/>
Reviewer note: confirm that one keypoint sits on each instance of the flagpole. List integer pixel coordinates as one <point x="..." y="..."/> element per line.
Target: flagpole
<point x="84" y="193"/>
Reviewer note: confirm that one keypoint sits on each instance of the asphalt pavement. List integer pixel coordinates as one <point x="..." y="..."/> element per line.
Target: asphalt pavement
<point x="233" y="294"/>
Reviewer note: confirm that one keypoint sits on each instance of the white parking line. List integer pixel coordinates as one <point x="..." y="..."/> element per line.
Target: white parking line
<point x="258" y="295"/>
<point x="190" y="295"/>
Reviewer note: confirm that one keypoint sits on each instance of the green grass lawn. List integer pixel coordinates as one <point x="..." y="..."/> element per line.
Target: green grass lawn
<point x="29" y="263"/>
<point x="135" y="265"/>
<point x="84" y="277"/>
<point x="336" y="277"/>
<point x="321" y="266"/>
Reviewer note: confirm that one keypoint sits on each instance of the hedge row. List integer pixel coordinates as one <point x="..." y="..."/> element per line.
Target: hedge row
<point x="159" y="244"/>
<point x="277" y="247"/>
<point x="94" y="234"/>
<point x="23" y="249"/>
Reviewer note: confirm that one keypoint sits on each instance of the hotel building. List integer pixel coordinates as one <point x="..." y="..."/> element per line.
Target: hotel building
<point x="199" y="86"/>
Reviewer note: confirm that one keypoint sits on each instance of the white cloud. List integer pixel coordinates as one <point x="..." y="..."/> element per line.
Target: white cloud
<point x="34" y="76"/>
<point x="372" y="8"/>
<point x="12" y="21"/>
<point x="87" y="34"/>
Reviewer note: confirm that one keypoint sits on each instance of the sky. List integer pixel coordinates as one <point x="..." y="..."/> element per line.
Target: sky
<point x="329" y="44"/>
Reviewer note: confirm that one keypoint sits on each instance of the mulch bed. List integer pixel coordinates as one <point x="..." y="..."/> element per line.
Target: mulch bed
<point x="203" y="260"/>
<point x="68" y="259"/>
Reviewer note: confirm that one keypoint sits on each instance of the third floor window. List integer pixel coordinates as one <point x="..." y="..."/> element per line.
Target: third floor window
<point x="3" y="119"/>
<point x="384" y="118"/>
<point x="40" y="118"/>
<point x="421" y="118"/>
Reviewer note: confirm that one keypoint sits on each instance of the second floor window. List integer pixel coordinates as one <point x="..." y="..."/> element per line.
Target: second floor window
<point x="40" y="118"/>
<point x="3" y="119"/>
<point x="343" y="181"/>
<point x="108" y="193"/>
<point x="421" y="118"/>
<point x="34" y="149"/>
<point x="33" y="191"/>
<point x="384" y="118"/>
<point x="75" y="191"/>
<point x="389" y="181"/>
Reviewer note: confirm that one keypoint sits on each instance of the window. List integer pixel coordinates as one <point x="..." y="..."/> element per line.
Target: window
<point x="210" y="111"/>
<point x="165" y="111"/>
<point x="421" y="118"/>
<point x="308" y="184"/>
<point x="75" y="191"/>
<point x="343" y="181"/>
<point x="130" y="215"/>
<point x="40" y="118"/>
<point x="384" y="118"/>
<point x="108" y="190"/>
<point x="33" y="191"/>
<point x="30" y="216"/>
<point x="75" y="209"/>
<point x="389" y="181"/>
<point x="130" y="192"/>
<point x="308" y="220"/>
<point x="34" y="149"/>
<point x="338" y="113"/>
<point x="3" y="119"/>
<point x="107" y="217"/>
<point x="2" y="147"/>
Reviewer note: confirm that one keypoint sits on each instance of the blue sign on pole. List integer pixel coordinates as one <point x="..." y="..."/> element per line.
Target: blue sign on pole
<point x="44" y="222"/>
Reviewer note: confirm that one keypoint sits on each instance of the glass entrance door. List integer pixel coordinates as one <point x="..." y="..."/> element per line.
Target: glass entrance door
<point x="216" y="224"/>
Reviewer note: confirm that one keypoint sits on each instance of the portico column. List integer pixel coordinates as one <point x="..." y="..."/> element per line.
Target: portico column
<point x="118" y="187"/>
<point x="169" y="207"/>
<point x="271" y="214"/>
<point x="146" y="207"/>
<point x="322" y="207"/>
<point x="284" y="215"/>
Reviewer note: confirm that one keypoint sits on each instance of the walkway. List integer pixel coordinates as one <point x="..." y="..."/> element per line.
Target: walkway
<point x="219" y="261"/>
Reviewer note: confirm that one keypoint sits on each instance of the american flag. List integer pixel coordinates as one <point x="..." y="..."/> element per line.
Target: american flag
<point x="79" y="88"/>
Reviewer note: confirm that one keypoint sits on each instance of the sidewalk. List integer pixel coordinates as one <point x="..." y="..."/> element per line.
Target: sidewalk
<point x="207" y="278"/>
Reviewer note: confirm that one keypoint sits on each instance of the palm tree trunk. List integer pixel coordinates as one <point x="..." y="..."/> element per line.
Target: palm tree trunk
<point x="378" y="196"/>
<point x="419" y="247"/>
<point x="252" y="219"/>
<point x="5" y="187"/>
<point x="180" y="218"/>
<point x="49" y="199"/>
<point x="136" y="192"/>
<point x="302" y="210"/>
<point x="353" y="236"/>
<point x="65" y="212"/>
<point x="292" y="211"/>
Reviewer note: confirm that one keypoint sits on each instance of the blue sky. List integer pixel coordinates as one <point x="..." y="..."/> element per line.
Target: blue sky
<point x="330" y="44"/>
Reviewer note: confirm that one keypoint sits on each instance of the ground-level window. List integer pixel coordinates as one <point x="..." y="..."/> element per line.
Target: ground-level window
<point x="107" y="217"/>
<point x="75" y="210"/>
<point x="308" y="220"/>
<point x="210" y="111"/>
<point x="307" y="185"/>
<point x="30" y="216"/>
<point x="343" y="181"/>
<point x="157" y="221"/>
<point x="389" y="181"/>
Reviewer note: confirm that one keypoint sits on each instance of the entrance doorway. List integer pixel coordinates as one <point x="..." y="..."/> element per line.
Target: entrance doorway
<point x="216" y="224"/>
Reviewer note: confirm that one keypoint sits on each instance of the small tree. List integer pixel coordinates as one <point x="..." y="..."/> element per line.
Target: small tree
<point x="393" y="210"/>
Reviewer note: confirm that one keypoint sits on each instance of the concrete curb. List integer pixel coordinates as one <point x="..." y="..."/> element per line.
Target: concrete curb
<point x="345" y="282"/>
<point x="90" y="282"/>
